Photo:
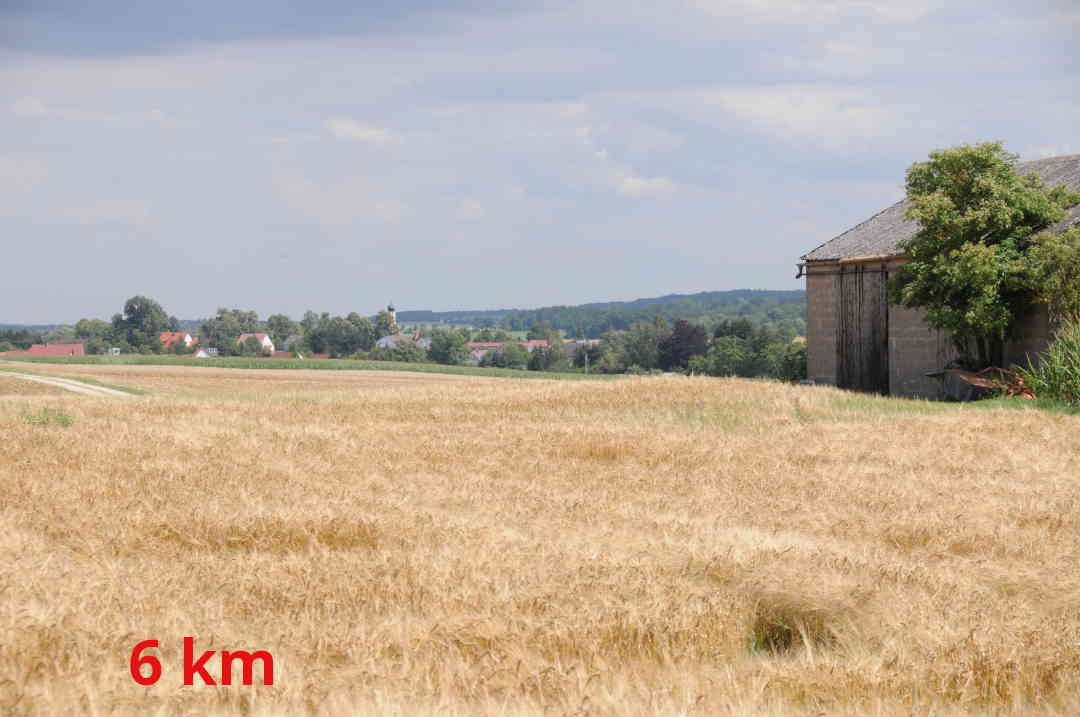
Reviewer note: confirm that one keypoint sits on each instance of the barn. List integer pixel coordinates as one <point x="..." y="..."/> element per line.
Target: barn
<point x="857" y="340"/>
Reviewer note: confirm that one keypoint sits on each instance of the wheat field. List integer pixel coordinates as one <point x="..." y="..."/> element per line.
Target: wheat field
<point x="408" y="544"/>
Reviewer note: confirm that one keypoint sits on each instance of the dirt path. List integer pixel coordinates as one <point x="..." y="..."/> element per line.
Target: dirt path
<point x="75" y="386"/>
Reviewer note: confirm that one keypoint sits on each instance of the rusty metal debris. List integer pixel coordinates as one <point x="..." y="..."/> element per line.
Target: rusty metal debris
<point x="961" y="385"/>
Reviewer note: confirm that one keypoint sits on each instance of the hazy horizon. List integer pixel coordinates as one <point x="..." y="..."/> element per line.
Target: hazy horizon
<point x="400" y="309"/>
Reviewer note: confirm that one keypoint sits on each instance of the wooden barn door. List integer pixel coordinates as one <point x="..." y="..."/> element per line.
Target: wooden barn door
<point x="863" y="328"/>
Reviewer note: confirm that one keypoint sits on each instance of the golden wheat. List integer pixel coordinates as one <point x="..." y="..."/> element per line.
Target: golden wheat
<point x="416" y="544"/>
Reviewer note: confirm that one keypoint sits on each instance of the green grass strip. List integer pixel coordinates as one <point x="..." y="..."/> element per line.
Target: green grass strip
<point x="310" y="364"/>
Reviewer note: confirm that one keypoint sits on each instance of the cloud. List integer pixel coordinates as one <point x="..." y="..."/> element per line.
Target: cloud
<point x="351" y="129"/>
<point x="633" y="186"/>
<point x="481" y="144"/>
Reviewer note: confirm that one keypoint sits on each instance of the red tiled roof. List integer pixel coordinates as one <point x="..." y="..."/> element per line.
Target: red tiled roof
<point x="168" y="338"/>
<point x="281" y="354"/>
<point x="49" y="350"/>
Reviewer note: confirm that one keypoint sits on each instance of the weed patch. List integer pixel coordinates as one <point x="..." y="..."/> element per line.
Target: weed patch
<point x="49" y="417"/>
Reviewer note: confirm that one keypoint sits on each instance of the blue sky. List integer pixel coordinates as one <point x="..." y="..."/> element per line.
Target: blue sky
<point x="328" y="155"/>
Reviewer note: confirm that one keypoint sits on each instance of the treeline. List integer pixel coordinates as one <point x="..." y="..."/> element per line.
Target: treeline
<point x="730" y="347"/>
<point x="779" y="310"/>
<point x="733" y="348"/>
<point x="137" y="329"/>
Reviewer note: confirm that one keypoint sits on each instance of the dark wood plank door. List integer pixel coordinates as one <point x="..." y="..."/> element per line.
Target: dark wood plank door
<point x="863" y="327"/>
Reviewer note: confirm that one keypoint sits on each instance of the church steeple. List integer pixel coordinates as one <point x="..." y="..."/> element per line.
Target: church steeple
<point x="393" y="316"/>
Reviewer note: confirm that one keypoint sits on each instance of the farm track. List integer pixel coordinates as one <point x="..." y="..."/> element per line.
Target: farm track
<point x="70" y="385"/>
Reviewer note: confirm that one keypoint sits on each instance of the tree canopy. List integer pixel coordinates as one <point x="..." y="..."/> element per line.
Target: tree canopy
<point x="971" y="268"/>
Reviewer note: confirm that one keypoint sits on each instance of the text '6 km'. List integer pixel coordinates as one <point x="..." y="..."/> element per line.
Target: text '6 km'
<point x="197" y="666"/>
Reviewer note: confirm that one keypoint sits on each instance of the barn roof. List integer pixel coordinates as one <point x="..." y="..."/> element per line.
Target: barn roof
<point x="881" y="234"/>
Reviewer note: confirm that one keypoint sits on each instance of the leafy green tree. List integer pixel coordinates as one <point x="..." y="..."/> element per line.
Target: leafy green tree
<point x="222" y="331"/>
<point x="406" y="351"/>
<point x="340" y="336"/>
<point x="741" y="328"/>
<point x="1056" y="258"/>
<point x="251" y="347"/>
<point x="727" y="356"/>
<point x="61" y="335"/>
<point x="685" y="341"/>
<point x="280" y="327"/>
<point x="641" y="345"/>
<point x="787" y="362"/>
<point x="96" y="345"/>
<point x="385" y="324"/>
<point x="538" y="331"/>
<point x="590" y="356"/>
<point x="141" y="324"/>
<point x="310" y="321"/>
<point x="448" y="347"/>
<point x="92" y="328"/>
<point x="366" y="333"/>
<point x="969" y="267"/>
<point x="514" y="356"/>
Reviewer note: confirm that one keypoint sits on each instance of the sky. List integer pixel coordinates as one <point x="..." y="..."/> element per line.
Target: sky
<point x="279" y="156"/>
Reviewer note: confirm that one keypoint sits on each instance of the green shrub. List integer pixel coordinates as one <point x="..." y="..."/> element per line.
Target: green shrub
<point x="49" y="417"/>
<point x="1057" y="374"/>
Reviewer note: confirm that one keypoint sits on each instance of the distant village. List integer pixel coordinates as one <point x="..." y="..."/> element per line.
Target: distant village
<point x="398" y="340"/>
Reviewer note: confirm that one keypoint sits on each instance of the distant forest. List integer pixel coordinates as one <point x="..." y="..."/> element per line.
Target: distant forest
<point x="783" y="311"/>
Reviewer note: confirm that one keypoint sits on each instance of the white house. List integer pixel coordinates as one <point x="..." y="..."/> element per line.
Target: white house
<point x="389" y="342"/>
<point x="264" y="341"/>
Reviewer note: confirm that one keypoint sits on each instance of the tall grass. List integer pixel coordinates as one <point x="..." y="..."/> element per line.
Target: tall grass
<point x="1056" y="375"/>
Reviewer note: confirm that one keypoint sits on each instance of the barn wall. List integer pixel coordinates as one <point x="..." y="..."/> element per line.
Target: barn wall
<point x="1033" y="336"/>
<point x="914" y="349"/>
<point x="821" y="328"/>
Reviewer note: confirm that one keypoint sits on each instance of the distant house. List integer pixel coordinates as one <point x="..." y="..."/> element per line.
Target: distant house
<point x="49" y="350"/>
<point x="204" y="353"/>
<point x="572" y="347"/>
<point x="264" y="341"/>
<point x="389" y="342"/>
<point x="172" y="338"/>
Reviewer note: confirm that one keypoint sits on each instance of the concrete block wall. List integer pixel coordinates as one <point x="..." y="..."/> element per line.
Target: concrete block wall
<point x="914" y="350"/>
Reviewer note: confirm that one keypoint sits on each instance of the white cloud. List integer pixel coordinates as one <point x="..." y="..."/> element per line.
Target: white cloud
<point x="351" y="129"/>
<point x="633" y="186"/>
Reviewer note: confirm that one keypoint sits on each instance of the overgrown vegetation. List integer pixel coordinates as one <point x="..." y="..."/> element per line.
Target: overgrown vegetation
<point x="978" y="260"/>
<point x="1056" y="374"/>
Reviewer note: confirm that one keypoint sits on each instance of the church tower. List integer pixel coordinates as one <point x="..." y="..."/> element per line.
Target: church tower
<point x="393" y="317"/>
